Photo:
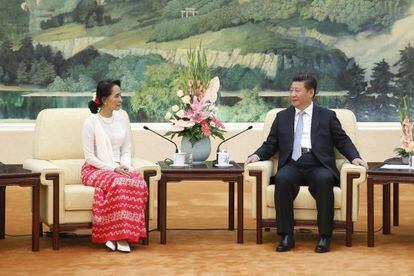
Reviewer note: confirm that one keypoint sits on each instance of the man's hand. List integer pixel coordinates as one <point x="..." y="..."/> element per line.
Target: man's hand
<point x="123" y="170"/>
<point x="251" y="159"/>
<point x="360" y="162"/>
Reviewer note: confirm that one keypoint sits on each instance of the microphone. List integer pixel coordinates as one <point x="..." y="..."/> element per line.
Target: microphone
<point x="225" y="140"/>
<point x="171" y="141"/>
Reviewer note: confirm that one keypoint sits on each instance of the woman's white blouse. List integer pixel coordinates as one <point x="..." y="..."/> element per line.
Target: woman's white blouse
<point x="117" y="129"/>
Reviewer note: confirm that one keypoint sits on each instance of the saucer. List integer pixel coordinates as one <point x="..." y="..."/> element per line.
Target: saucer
<point x="179" y="166"/>
<point x="223" y="166"/>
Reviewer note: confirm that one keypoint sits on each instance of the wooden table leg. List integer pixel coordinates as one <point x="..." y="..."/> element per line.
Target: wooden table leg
<point x="231" y="206"/>
<point x="159" y="199"/>
<point x="370" y="211"/>
<point x="396" y="204"/>
<point x="386" y="209"/>
<point x="240" y="207"/>
<point x="35" y="216"/>
<point x="2" y="211"/>
<point x="162" y="186"/>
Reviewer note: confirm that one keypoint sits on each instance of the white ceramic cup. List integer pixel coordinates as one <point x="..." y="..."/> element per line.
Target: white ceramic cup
<point x="179" y="158"/>
<point x="223" y="158"/>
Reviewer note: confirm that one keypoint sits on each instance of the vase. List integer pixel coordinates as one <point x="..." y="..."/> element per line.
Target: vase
<point x="200" y="150"/>
<point x="405" y="159"/>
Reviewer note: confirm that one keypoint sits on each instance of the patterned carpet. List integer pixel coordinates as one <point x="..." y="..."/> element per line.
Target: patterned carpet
<point x="188" y="252"/>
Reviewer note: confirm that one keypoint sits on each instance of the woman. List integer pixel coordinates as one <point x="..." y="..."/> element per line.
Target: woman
<point x="120" y="193"/>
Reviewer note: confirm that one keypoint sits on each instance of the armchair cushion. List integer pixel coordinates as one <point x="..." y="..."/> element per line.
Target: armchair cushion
<point x="304" y="200"/>
<point x="78" y="197"/>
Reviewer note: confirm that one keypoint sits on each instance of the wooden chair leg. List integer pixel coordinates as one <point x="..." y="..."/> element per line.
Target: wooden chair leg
<point x="259" y="224"/>
<point x="41" y="229"/>
<point x="349" y="231"/>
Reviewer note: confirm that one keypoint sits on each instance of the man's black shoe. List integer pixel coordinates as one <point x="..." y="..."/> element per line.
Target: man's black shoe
<point x="323" y="245"/>
<point x="286" y="243"/>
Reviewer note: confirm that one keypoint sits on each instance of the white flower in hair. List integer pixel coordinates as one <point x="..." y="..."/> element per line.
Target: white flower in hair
<point x="94" y="96"/>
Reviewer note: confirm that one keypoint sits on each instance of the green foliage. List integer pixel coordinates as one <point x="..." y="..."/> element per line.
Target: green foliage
<point x="382" y="90"/>
<point x="23" y="74"/>
<point x="14" y="22"/>
<point x="86" y="12"/>
<point x="58" y="85"/>
<point x="155" y="96"/>
<point x="356" y="13"/>
<point x="196" y="70"/>
<point x="406" y="72"/>
<point x="353" y="79"/>
<point x="262" y="10"/>
<point x="404" y="110"/>
<point x="184" y="27"/>
<point x="41" y="72"/>
<point x="251" y="108"/>
<point x="238" y="77"/>
<point x="401" y="152"/>
<point x="130" y="70"/>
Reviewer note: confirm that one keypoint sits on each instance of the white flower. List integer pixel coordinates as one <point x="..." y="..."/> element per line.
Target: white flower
<point x="175" y="108"/>
<point x="180" y="113"/>
<point x="411" y="147"/>
<point x="186" y="99"/>
<point x="168" y="116"/>
<point x="94" y="96"/>
<point x="180" y="93"/>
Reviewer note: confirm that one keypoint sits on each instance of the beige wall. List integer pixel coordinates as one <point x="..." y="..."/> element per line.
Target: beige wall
<point x="376" y="141"/>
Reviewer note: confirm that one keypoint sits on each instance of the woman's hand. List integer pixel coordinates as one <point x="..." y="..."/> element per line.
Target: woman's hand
<point x="124" y="170"/>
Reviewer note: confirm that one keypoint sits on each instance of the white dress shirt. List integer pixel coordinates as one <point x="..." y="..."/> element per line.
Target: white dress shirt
<point x="307" y="122"/>
<point x="117" y="134"/>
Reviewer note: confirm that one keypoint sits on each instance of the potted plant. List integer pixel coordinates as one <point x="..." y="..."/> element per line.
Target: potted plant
<point x="193" y="116"/>
<point x="407" y="144"/>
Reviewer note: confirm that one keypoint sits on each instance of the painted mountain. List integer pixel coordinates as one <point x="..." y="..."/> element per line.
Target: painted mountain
<point x="361" y="51"/>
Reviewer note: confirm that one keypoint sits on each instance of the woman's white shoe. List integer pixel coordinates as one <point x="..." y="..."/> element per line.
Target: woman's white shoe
<point x="111" y="245"/>
<point x="123" y="246"/>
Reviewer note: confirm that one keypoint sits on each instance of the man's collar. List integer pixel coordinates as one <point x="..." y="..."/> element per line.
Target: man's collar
<point x="307" y="110"/>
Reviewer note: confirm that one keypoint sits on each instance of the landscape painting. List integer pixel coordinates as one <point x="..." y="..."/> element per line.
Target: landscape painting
<point x="53" y="53"/>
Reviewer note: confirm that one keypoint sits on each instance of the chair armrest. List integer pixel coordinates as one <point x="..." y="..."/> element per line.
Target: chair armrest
<point x="350" y="195"/>
<point x="44" y="167"/>
<point x="348" y="168"/>
<point x="266" y="169"/>
<point x="142" y="165"/>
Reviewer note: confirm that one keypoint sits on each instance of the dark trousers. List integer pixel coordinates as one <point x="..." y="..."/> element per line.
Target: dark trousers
<point x="306" y="171"/>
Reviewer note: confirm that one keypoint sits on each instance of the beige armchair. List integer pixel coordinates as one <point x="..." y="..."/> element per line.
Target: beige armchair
<point x="346" y="201"/>
<point x="58" y="155"/>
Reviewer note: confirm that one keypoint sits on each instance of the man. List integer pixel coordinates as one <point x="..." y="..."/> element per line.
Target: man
<point x="305" y="136"/>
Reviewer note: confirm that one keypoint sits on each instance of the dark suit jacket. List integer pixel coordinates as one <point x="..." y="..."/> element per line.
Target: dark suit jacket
<point x="326" y="133"/>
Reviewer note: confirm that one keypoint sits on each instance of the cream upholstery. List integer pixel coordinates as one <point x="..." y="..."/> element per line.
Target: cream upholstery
<point x="304" y="204"/>
<point x="57" y="148"/>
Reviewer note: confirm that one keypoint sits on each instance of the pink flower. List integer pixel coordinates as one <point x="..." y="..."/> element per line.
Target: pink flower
<point x="205" y="128"/>
<point x="407" y="137"/>
<point x="197" y="112"/>
<point x="217" y="122"/>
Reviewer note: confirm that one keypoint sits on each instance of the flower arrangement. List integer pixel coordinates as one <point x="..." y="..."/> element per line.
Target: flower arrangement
<point x="193" y="117"/>
<point x="407" y="143"/>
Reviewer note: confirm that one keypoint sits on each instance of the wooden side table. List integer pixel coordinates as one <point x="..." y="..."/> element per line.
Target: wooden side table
<point x="384" y="177"/>
<point x="205" y="171"/>
<point x="14" y="175"/>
